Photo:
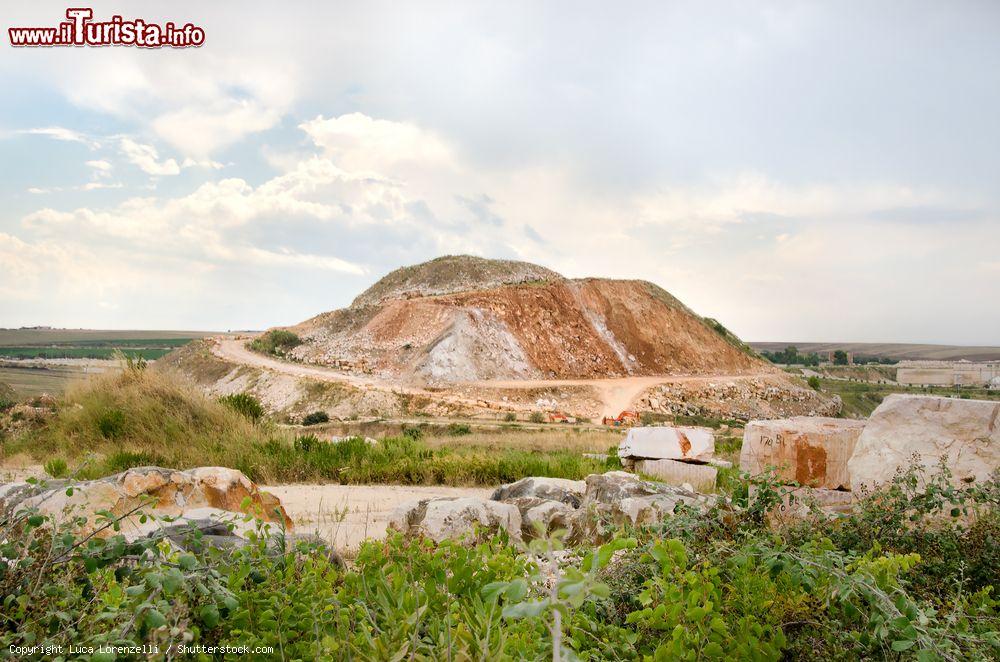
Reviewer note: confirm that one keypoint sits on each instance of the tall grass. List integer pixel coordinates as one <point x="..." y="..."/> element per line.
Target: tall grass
<point x="148" y="417"/>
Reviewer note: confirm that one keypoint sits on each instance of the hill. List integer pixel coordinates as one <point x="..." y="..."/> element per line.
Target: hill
<point x="898" y="351"/>
<point x="465" y="319"/>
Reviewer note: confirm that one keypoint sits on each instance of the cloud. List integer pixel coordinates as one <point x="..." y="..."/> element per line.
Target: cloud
<point x="200" y="131"/>
<point x="100" y="166"/>
<point x="64" y="134"/>
<point x="146" y="158"/>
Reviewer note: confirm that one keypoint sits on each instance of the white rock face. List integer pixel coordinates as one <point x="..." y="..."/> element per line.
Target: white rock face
<point x="668" y="443"/>
<point x="810" y="451"/>
<point x="701" y="477"/>
<point x="965" y="433"/>
<point x="439" y="519"/>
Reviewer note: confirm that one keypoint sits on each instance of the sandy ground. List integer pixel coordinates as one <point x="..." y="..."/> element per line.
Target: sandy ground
<point x="344" y="515"/>
<point x="616" y="394"/>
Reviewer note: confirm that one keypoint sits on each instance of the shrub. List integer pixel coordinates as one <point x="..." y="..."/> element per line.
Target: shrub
<point x="537" y="417"/>
<point x="315" y="418"/>
<point x="244" y="404"/>
<point x="458" y="429"/>
<point x="275" y="341"/>
<point x="412" y="433"/>
<point x="111" y="423"/>
<point x="814" y="382"/>
<point x="510" y="417"/>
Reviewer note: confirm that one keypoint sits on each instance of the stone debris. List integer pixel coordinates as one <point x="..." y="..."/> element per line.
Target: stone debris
<point x="809" y="451"/>
<point x="964" y="434"/>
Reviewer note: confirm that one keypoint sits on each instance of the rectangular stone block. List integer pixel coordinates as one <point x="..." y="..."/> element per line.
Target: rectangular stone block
<point x="810" y="451"/>
<point x="701" y="477"/>
<point x="668" y="443"/>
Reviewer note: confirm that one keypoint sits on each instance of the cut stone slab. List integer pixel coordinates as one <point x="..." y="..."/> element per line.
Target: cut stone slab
<point x="668" y="443"/>
<point x="808" y="450"/>
<point x="963" y="433"/>
<point x="701" y="477"/>
<point x="439" y="519"/>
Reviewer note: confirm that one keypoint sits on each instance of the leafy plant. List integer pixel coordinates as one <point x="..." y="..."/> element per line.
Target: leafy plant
<point x="244" y="404"/>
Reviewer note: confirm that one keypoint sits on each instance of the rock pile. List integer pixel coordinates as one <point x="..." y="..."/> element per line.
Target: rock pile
<point x="536" y="506"/>
<point x="740" y="399"/>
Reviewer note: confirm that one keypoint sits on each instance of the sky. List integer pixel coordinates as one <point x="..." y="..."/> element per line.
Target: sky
<point x="811" y="171"/>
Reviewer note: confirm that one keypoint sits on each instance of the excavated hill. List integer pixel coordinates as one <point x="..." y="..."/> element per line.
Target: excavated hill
<point x="465" y="319"/>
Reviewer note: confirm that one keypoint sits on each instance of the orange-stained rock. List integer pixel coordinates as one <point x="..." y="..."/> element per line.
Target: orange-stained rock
<point x="810" y="451"/>
<point x="151" y="490"/>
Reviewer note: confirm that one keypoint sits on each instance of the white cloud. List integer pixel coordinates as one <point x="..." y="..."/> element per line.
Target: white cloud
<point x="199" y="131"/>
<point x="358" y="142"/>
<point x="147" y="159"/>
<point x="100" y="166"/>
<point x="64" y="134"/>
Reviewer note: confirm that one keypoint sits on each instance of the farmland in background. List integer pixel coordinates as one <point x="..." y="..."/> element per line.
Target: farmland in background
<point x="36" y="360"/>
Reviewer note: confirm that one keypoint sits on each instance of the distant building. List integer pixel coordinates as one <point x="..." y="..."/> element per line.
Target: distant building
<point x="948" y="373"/>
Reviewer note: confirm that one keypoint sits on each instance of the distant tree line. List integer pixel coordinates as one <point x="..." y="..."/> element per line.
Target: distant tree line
<point x="790" y="356"/>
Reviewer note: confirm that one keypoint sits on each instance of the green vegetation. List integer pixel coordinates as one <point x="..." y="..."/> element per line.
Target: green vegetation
<point x="316" y="418"/>
<point x="8" y="397"/>
<point x="901" y="579"/>
<point x="791" y="356"/>
<point x="275" y="341"/>
<point x="245" y="405"/>
<point x="813" y="382"/>
<point x="149" y="417"/>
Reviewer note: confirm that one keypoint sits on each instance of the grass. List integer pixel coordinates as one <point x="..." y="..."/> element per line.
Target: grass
<point x="152" y="417"/>
<point x="32" y="381"/>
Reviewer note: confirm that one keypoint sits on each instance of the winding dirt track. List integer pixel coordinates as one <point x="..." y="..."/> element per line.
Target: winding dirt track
<point x="616" y="394"/>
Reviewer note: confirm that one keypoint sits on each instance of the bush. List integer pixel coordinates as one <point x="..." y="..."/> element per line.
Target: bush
<point x="458" y="429"/>
<point x="536" y="417"/>
<point x="111" y="423"/>
<point x="412" y="433"/>
<point x="275" y="341"/>
<point x="244" y="404"/>
<point x="814" y="382"/>
<point x="315" y="418"/>
<point x="510" y="417"/>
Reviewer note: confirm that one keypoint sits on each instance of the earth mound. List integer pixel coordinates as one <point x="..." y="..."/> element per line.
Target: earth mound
<point x="465" y="319"/>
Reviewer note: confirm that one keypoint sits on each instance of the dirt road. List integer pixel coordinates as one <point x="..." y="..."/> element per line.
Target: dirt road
<point x="616" y="394"/>
<point x="344" y="515"/>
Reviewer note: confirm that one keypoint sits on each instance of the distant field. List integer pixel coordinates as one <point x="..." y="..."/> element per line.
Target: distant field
<point x="898" y="351"/>
<point x="90" y="344"/>
<point x="31" y="381"/>
<point x="18" y="337"/>
<point x="861" y="398"/>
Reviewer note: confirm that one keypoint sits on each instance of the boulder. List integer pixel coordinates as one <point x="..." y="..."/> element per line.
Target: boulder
<point x="668" y="443"/>
<point x="620" y="497"/>
<point x="151" y="490"/>
<point x="701" y="477"/>
<point x="443" y="518"/>
<point x="965" y="434"/>
<point x="555" y="489"/>
<point x="810" y="451"/>
<point x="545" y="515"/>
